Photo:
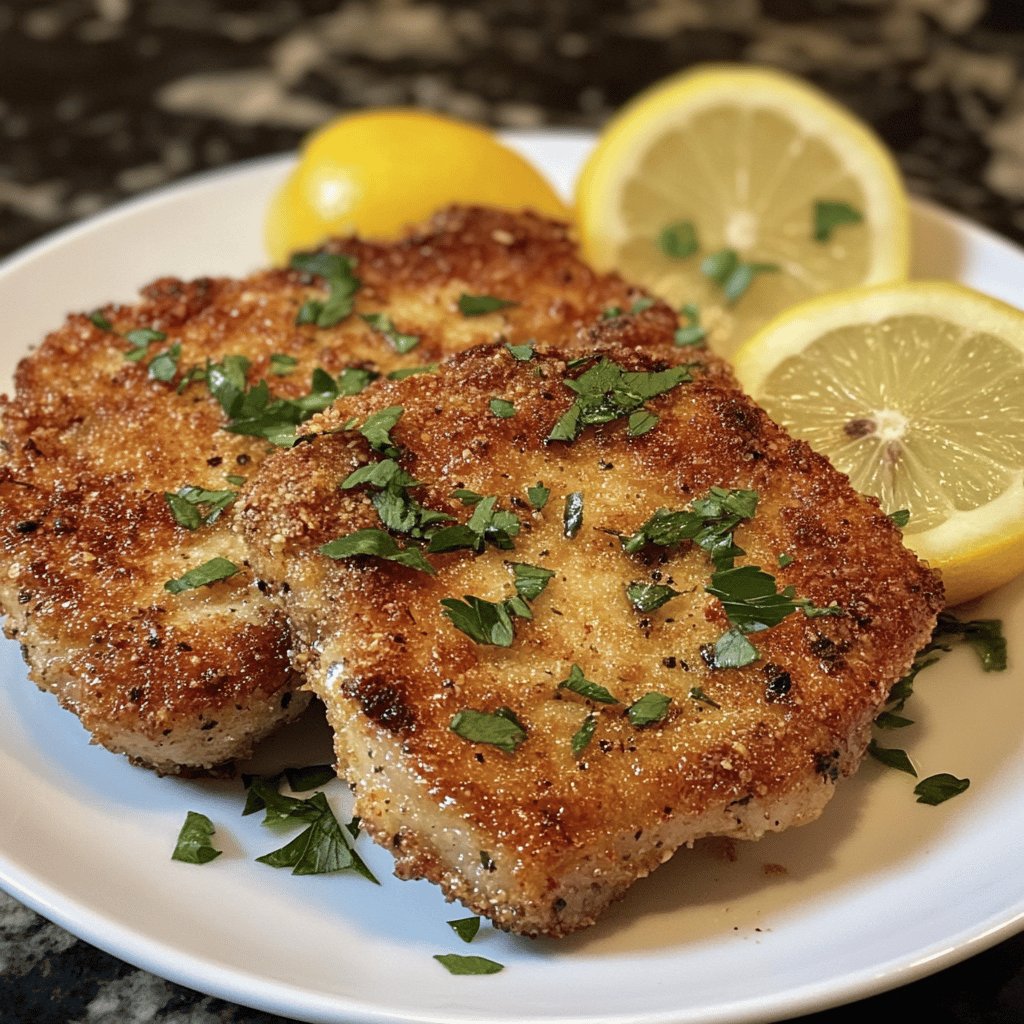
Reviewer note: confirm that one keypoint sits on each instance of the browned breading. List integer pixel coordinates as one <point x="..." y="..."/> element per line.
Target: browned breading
<point x="541" y="840"/>
<point x="91" y="443"/>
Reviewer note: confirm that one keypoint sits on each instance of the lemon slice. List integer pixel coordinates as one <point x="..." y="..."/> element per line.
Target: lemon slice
<point x="916" y="392"/>
<point x="374" y="173"/>
<point x="736" y="160"/>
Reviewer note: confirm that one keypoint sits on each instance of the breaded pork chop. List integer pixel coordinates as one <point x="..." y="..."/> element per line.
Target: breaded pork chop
<point x="104" y="421"/>
<point x="536" y="711"/>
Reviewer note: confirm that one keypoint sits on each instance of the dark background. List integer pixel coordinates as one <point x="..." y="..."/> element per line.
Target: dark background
<point x="103" y="99"/>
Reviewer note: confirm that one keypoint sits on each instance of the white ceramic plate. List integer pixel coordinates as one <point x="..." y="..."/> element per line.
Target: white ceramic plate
<point x="879" y="891"/>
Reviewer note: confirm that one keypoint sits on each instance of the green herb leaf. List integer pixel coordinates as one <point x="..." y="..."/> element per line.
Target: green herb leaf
<point x="97" y="319"/>
<point x="734" y="650"/>
<point x="607" y="392"/>
<point x="235" y="480"/>
<point x="530" y="580"/>
<point x="193" y="507"/>
<point x="378" y="474"/>
<point x="378" y="426"/>
<point x="538" y="495"/>
<point x="734" y="276"/>
<point x="377" y="543"/>
<point x="213" y="571"/>
<point x="985" y="636"/>
<point x="888" y="720"/>
<point x="750" y="598"/>
<point x="383" y="324"/>
<point x="641" y="305"/>
<point x="584" y="734"/>
<point x="641" y="422"/>
<point x="937" y="789"/>
<point x="484" y="622"/>
<point x="341" y="282"/>
<point x="585" y="688"/>
<point x="497" y="730"/>
<point x="900" y="517"/>
<point x="282" y="365"/>
<point x="502" y="408"/>
<point x="456" y="964"/>
<point x="164" y="366"/>
<point x="353" y="380"/>
<point x="466" y="496"/>
<point x="486" y="525"/>
<point x="785" y="560"/>
<point x="649" y="709"/>
<point x="480" y="305"/>
<point x="679" y="241"/>
<point x="611" y="312"/>
<point x="193" y="845"/>
<point x="523" y="353"/>
<point x="892" y="757"/>
<point x="465" y="927"/>
<point x="697" y="694"/>
<point x="140" y="340"/>
<point x="646" y="597"/>
<point x="413" y="371"/>
<point x="572" y="516"/>
<point x="321" y="848"/>
<point x="692" y="335"/>
<point x="311" y="776"/>
<point x="829" y="215"/>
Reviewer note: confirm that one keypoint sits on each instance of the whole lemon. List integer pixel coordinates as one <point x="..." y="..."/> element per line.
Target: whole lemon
<point x="374" y="173"/>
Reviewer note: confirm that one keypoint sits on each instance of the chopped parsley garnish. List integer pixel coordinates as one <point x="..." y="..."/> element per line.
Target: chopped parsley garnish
<point x="487" y="525"/>
<point x="646" y="597"/>
<point x="734" y="650"/>
<point x="937" y="789"/>
<point x="584" y="734"/>
<point x="523" y="353"/>
<point x="985" y="636"/>
<point x="641" y="422"/>
<point x="679" y="241"/>
<point x="900" y="517"/>
<point x="282" y="365"/>
<point x="785" y="560"/>
<point x="607" y="391"/>
<point x="829" y="215"/>
<point x="164" y="365"/>
<point x="530" y="580"/>
<point x="456" y="964"/>
<point x="377" y="543"/>
<point x="193" y="507"/>
<point x="611" y="312"/>
<point x="321" y="847"/>
<point x="649" y="709"/>
<point x="342" y="286"/>
<point x="734" y="276"/>
<point x="213" y="571"/>
<point x="500" y="729"/>
<point x="502" y="408"/>
<point x="412" y="371"/>
<point x="465" y="927"/>
<point x="538" y="495"/>
<point x="697" y="694"/>
<point x="480" y="305"/>
<point x="378" y="426"/>
<point x="484" y="622"/>
<point x="353" y="380"/>
<point x="572" y="515"/>
<point x="193" y="845"/>
<point x="97" y="319"/>
<point x="692" y="335"/>
<point x="890" y="720"/>
<point x="578" y="683"/>
<point x="892" y="757"/>
<point x="235" y="480"/>
<point x="140" y="339"/>
<point x="383" y="324"/>
<point x="310" y="776"/>
<point x="466" y="496"/>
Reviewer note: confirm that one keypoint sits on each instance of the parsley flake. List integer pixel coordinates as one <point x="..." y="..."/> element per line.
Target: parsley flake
<point x="164" y="365"/>
<point x="342" y="286"/>
<point x="193" y="507"/>
<point x="480" y="305"/>
<point x="377" y="543"/>
<point x="649" y="709"/>
<point x="679" y="241"/>
<point x="282" y="365"/>
<point x="465" y="927"/>
<point x="530" y="580"/>
<point x="193" y="845"/>
<point x="697" y="694"/>
<point x="578" y="683"/>
<point x="583" y="735"/>
<point x="97" y="319"/>
<point x="646" y="597"/>
<point x="900" y="517"/>
<point x="572" y="515"/>
<point x="382" y="324"/>
<point x="523" y="353"/>
<point x="412" y="371"/>
<point x="538" y="495"/>
<point x="937" y="789"/>
<point x="213" y="571"/>
<point x="453" y="963"/>
<point x="354" y="380"/>
<point x="484" y="622"/>
<point x="734" y="276"/>
<point x="140" y="339"/>
<point x="502" y="408"/>
<point x="829" y="215"/>
<point x="692" y="335"/>
<point x="892" y="757"/>
<point x="499" y="730"/>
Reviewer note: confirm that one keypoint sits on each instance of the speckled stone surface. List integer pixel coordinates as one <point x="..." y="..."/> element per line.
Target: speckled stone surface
<point x="103" y="99"/>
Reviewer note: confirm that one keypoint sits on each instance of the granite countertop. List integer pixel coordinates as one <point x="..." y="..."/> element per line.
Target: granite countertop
<point x="103" y="99"/>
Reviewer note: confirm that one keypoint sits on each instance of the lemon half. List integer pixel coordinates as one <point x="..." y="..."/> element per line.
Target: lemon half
<point x="751" y="162"/>
<point x="374" y="173"/>
<point x="916" y="392"/>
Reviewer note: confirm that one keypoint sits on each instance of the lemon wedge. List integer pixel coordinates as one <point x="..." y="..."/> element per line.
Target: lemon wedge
<point x="744" y="191"/>
<point x="376" y="172"/>
<point x="916" y="392"/>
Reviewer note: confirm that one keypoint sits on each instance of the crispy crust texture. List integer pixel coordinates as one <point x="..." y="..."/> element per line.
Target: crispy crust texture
<point x="541" y="840"/>
<point x="90" y="443"/>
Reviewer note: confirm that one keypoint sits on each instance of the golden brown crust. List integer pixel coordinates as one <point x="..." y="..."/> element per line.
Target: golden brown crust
<point x="90" y="444"/>
<point x="563" y="836"/>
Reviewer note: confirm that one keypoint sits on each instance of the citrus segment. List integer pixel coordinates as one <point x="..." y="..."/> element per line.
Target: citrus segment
<point x="758" y="166"/>
<point x="916" y="392"/>
<point x="375" y="173"/>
